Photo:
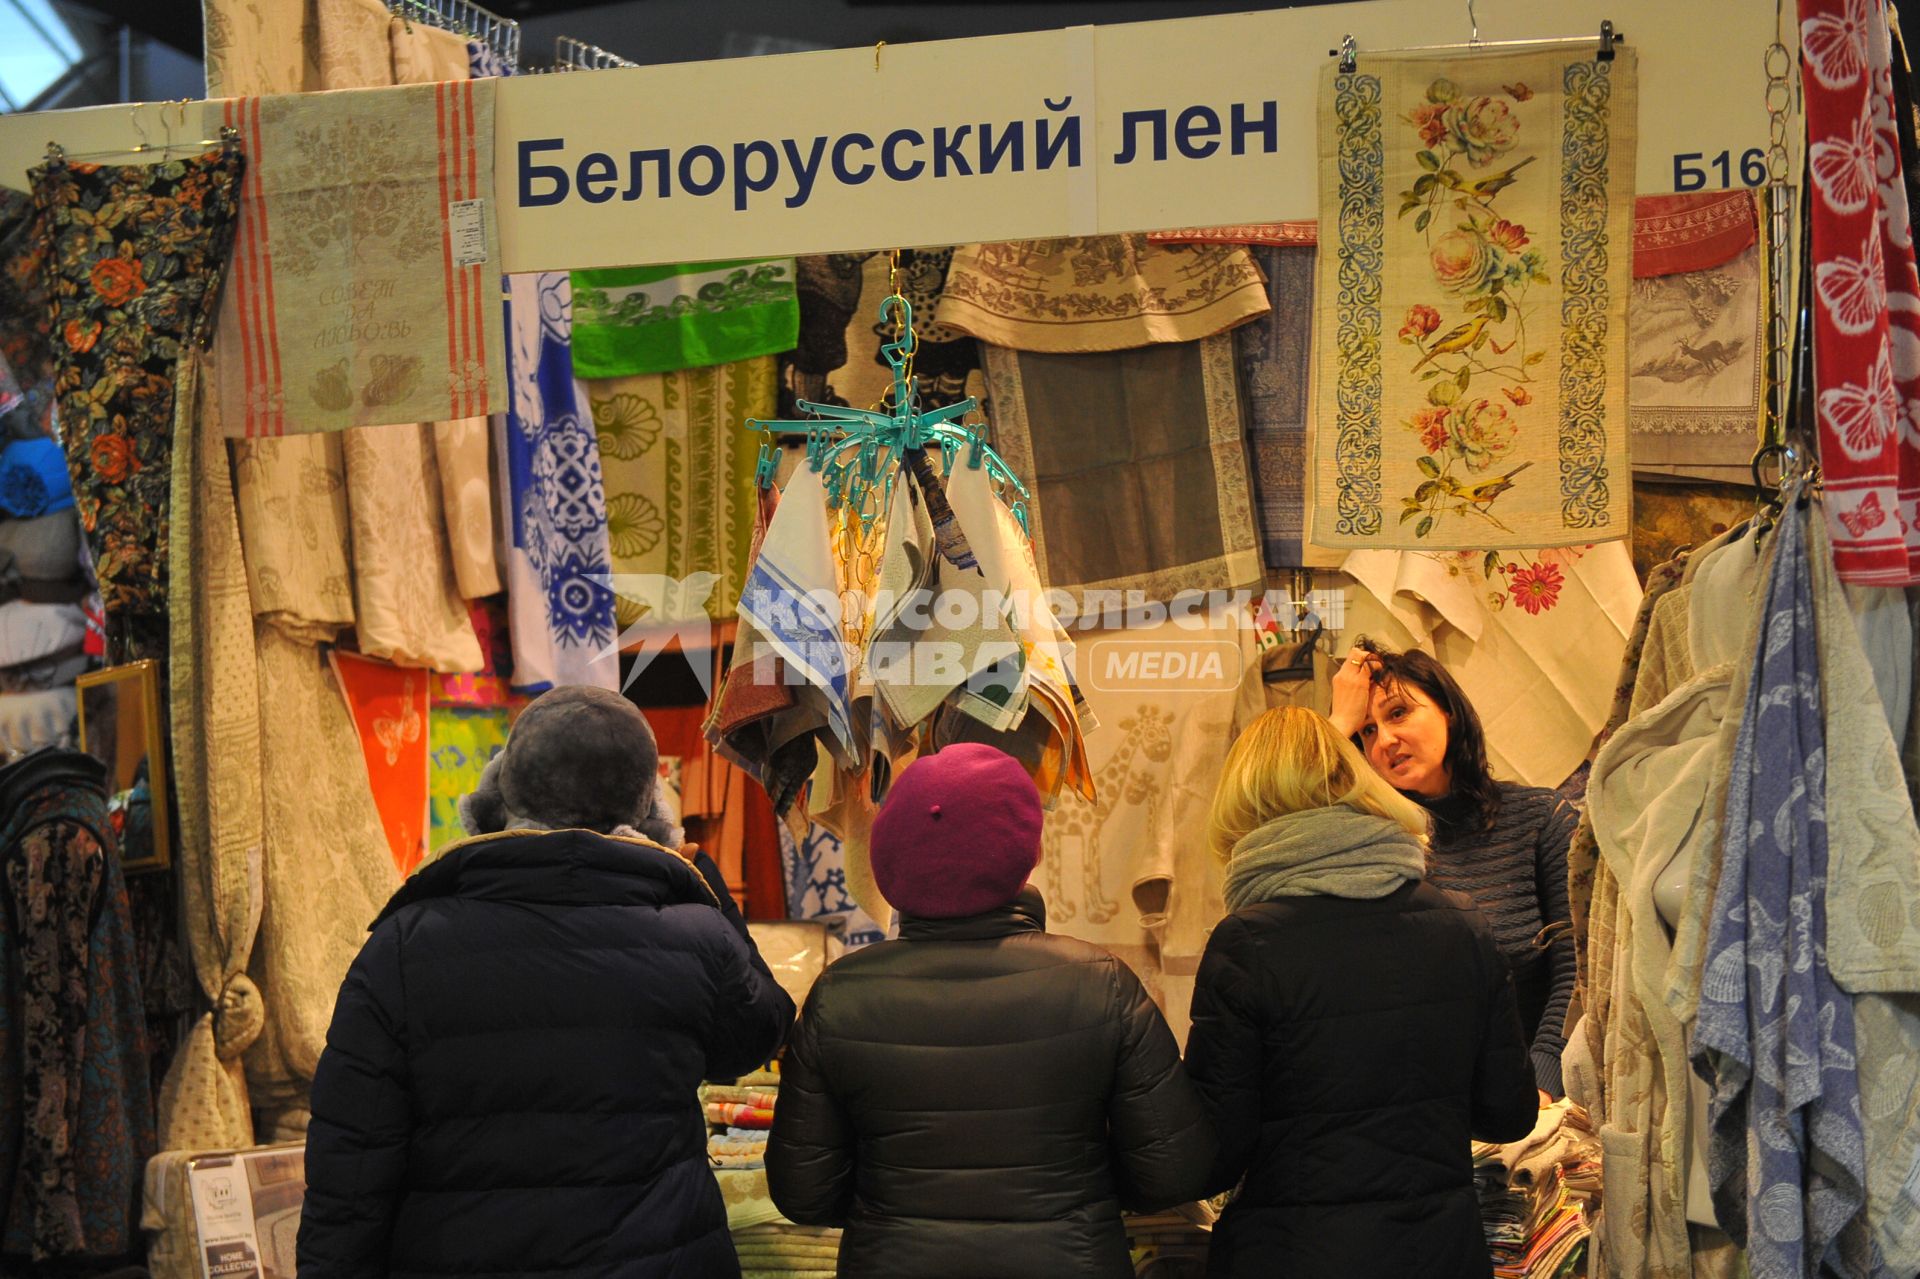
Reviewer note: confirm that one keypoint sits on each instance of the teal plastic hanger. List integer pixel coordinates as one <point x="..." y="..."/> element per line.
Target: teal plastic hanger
<point x="858" y="451"/>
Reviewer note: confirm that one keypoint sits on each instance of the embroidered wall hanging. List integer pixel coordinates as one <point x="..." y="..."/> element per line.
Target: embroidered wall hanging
<point x="1476" y="232"/>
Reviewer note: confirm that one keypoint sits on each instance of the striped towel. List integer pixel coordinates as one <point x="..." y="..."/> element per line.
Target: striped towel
<point x="398" y="321"/>
<point x="728" y="1115"/>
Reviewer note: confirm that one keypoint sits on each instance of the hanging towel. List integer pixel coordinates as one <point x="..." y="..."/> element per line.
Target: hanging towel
<point x="1055" y="713"/>
<point x="659" y="319"/>
<point x="679" y="474"/>
<point x="1866" y="296"/>
<point x="1682" y="234"/>
<point x="553" y="504"/>
<point x="1275" y="353"/>
<point x="1100" y="293"/>
<point x="423" y="54"/>
<point x="463" y="741"/>
<point x="389" y="706"/>
<point x="838" y="360"/>
<point x="793" y="598"/>
<point x="1775" y="1035"/>
<point x="1136" y="463"/>
<point x="384" y="251"/>
<point x="1472" y="380"/>
<point x="938" y="641"/>
<point x="1694" y="344"/>
<point x="406" y="590"/>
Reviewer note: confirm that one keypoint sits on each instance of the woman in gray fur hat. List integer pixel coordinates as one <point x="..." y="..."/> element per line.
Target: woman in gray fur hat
<point x="509" y="1079"/>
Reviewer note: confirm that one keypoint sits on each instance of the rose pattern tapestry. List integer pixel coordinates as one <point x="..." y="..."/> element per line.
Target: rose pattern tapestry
<point x="1476" y="226"/>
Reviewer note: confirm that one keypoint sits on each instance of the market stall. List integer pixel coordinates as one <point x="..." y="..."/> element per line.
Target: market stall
<point x="1089" y="408"/>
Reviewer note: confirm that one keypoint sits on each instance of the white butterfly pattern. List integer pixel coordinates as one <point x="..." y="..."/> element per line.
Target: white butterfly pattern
<point x="395" y="733"/>
<point x="1862" y="419"/>
<point x="1836" y="47"/>
<point x="1844" y="171"/>
<point x="1854" y="290"/>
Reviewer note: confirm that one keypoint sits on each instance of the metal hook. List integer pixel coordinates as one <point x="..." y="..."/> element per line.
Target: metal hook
<point x="1473" y="20"/>
<point x="878" y="45"/>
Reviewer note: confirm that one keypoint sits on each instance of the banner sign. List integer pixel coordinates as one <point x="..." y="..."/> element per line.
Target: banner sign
<point x="1087" y="130"/>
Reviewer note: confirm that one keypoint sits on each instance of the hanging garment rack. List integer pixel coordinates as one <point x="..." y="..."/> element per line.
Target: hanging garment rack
<point x="228" y="139"/>
<point x="463" y="17"/>
<point x="857" y="451"/>
<point x="570" y="54"/>
<point x="1349" y="50"/>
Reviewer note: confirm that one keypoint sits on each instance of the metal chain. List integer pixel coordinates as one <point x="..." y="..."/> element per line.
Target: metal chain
<point x="1778" y="203"/>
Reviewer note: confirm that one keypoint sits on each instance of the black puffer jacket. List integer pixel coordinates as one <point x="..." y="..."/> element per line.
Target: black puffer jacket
<point x="979" y="1100"/>
<point x="1349" y="1052"/>
<point x="508" y="1084"/>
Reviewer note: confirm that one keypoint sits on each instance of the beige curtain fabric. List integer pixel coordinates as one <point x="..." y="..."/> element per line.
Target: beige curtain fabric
<point x="424" y="54"/>
<point x="255" y="47"/>
<point x="405" y="587"/>
<point x="215" y="715"/>
<point x="462" y="451"/>
<point x="1475" y="218"/>
<point x="1135" y="463"/>
<point x="295" y="531"/>
<point x="328" y="869"/>
<point x="1129" y="870"/>
<point x="1100" y="293"/>
<point x="322" y="866"/>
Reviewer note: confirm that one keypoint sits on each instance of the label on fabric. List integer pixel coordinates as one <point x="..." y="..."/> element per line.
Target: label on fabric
<point x="466" y="220"/>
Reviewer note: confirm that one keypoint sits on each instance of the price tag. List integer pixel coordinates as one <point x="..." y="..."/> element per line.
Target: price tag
<point x="466" y="220"/>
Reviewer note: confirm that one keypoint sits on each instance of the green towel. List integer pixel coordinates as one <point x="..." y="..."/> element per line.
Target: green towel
<point x="659" y="319"/>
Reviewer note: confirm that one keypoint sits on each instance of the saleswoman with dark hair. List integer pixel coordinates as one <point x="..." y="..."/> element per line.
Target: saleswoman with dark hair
<point x="1500" y="843"/>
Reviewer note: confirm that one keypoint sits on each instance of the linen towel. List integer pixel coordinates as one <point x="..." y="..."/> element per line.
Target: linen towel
<point x="1866" y="295"/>
<point x="389" y="705"/>
<point x="553" y="504"/>
<point x="661" y="319"/>
<point x="679" y="475"/>
<point x="1136" y="463"/>
<point x="1100" y="293"/>
<point x="1775" y="1035"/>
<point x="368" y="216"/>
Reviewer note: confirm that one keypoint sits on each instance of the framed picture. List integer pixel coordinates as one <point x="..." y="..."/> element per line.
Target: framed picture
<point x="120" y="726"/>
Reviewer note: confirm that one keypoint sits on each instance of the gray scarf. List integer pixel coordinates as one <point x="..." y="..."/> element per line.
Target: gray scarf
<point x="1329" y="852"/>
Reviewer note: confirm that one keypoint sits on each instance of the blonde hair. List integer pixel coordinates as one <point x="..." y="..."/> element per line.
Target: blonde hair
<point x="1292" y="759"/>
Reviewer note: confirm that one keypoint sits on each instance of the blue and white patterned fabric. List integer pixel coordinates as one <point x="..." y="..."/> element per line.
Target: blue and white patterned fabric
<point x="1775" y="1037"/>
<point x="485" y="62"/>
<point x="560" y="610"/>
<point x="816" y="869"/>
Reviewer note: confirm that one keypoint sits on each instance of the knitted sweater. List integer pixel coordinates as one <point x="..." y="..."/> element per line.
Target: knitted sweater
<point x="1516" y="873"/>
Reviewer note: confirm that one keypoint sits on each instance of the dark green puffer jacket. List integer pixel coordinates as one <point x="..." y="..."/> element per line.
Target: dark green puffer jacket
<point x="980" y="1100"/>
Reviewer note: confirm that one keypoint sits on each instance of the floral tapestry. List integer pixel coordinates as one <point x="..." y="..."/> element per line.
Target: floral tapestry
<point x="1477" y="220"/>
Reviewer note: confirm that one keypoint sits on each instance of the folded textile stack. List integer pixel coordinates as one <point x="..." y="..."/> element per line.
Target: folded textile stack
<point x="1538" y="1194"/>
<point x="789" y="1251"/>
<point x="1167" y="1245"/>
<point x="739" y="1116"/>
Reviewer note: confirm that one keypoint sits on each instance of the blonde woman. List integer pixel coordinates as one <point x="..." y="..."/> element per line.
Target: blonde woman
<point x="1354" y="1028"/>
